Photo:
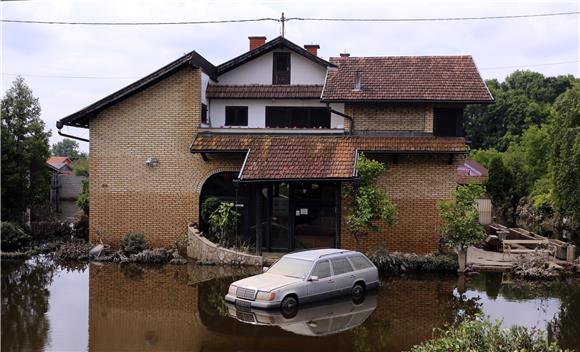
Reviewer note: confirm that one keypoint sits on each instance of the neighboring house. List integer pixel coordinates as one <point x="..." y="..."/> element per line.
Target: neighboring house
<point x="278" y="131"/>
<point x="472" y="172"/>
<point x="65" y="187"/>
<point x="60" y="164"/>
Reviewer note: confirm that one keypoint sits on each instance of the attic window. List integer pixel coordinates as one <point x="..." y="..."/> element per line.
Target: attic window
<point x="357" y="80"/>
<point x="281" y="74"/>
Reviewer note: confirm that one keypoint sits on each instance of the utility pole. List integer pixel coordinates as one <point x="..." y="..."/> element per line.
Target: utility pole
<point x="282" y="20"/>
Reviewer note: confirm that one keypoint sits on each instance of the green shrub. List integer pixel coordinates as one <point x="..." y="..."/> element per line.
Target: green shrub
<point x="83" y="200"/>
<point x="208" y="207"/>
<point x="133" y="243"/>
<point x="50" y="229"/>
<point x="13" y="237"/>
<point x="223" y="222"/>
<point x="403" y="262"/>
<point x="483" y="335"/>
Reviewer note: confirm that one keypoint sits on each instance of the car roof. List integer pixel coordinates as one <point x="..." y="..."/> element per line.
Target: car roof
<point x="317" y="253"/>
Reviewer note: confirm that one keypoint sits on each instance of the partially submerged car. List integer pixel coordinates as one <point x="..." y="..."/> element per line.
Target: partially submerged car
<point x="306" y="276"/>
<point x="317" y="319"/>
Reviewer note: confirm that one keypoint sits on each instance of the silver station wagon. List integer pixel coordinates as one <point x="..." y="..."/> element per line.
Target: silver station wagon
<point x="306" y="276"/>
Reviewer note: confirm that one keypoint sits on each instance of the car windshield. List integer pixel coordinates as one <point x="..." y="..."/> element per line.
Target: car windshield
<point x="292" y="267"/>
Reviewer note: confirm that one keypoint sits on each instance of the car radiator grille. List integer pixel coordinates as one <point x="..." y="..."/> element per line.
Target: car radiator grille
<point x="245" y="316"/>
<point x="246" y="293"/>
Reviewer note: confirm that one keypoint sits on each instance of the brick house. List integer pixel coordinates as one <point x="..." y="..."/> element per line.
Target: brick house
<point x="278" y="131"/>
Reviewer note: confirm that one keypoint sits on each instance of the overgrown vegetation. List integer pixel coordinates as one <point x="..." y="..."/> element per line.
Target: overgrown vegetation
<point x="461" y="227"/>
<point x="481" y="334"/>
<point x="133" y="243"/>
<point x="395" y="262"/>
<point x="530" y="142"/>
<point x="83" y="200"/>
<point x="25" y="176"/>
<point x="223" y="222"/>
<point x="13" y="237"/>
<point x="368" y="204"/>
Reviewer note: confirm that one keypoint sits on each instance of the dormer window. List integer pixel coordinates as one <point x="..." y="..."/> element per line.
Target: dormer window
<point x="281" y="74"/>
<point x="357" y="80"/>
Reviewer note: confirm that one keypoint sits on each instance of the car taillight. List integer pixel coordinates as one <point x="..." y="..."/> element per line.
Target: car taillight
<point x="266" y="296"/>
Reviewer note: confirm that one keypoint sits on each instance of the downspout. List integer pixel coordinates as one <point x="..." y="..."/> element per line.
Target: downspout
<point x="343" y="115"/>
<point x="59" y="125"/>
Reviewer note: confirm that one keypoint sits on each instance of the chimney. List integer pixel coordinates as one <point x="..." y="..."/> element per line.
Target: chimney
<point x="312" y="48"/>
<point x="256" y="42"/>
<point x="344" y="54"/>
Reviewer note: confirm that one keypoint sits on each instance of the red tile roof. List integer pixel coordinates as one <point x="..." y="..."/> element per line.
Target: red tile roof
<point x="58" y="160"/>
<point x="215" y="91"/>
<point x="314" y="156"/>
<point x="406" y="78"/>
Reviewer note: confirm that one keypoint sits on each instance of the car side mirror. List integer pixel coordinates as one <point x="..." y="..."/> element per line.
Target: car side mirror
<point x="265" y="268"/>
<point x="313" y="278"/>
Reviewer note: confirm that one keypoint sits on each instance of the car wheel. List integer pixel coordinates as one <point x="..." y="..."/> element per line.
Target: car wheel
<point x="289" y="307"/>
<point x="358" y="292"/>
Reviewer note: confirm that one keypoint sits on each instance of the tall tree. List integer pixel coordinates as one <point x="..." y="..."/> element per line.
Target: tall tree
<point x="565" y="153"/>
<point x="67" y="147"/>
<point x="25" y="176"/>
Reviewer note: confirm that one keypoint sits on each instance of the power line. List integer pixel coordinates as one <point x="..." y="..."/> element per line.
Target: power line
<point x="321" y="19"/>
<point x="430" y="19"/>
<point x="142" y="23"/>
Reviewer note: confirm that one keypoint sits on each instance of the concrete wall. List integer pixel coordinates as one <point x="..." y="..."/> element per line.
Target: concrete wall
<point x="70" y="186"/>
<point x="259" y="71"/>
<point x="257" y="110"/>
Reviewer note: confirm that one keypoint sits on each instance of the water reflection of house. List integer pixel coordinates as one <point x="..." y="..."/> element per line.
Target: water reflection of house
<point x="279" y="130"/>
<point x="182" y="308"/>
<point x="65" y="187"/>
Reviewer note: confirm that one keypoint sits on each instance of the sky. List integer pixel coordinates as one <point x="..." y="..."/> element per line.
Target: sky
<point x="104" y="59"/>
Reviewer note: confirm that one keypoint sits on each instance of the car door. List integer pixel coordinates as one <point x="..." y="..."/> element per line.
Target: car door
<point x="325" y="286"/>
<point x="343" y="274"/>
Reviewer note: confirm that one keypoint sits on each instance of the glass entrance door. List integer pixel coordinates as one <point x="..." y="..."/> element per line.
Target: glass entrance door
<point x="279" y="224"/>
<point x="315" y="218"/>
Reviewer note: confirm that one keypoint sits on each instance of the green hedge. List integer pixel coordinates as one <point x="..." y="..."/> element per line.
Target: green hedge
<point x="483" y="335"/>
<point x="402" y="262"/>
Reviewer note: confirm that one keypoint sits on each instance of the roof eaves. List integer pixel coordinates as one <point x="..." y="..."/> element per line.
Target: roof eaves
<point x="354" y="100"/>
<point x="263" y="49"/>
<point x="81" y="118"/>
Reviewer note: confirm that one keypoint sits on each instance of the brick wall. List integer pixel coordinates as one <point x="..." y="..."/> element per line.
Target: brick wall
<point x="127" y="195"/>
<point x="391" y="117"/>
<point x="415" y="184"/>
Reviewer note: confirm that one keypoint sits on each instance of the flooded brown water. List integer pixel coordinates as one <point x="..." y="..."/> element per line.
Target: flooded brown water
<point x="115" y="307"/>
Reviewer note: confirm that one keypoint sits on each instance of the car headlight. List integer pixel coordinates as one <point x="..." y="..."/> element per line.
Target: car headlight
<point x="265" y="296"/>
<point x="232" y="290"/>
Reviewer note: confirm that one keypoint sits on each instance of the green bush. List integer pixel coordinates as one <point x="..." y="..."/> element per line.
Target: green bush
<point x="50" y="229"/>
<point x="83" y="200"/>
<point x="133" y="243"/>
<point x="13" y="237"/>
<point x="208" y="207"/>
<point x="402" y="262"/>
<point x="483" y="335"/>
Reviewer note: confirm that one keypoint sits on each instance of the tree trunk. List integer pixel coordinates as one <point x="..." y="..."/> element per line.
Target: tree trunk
<point x="462" y="258"/>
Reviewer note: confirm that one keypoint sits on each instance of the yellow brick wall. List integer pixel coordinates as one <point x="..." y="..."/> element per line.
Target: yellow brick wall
<point x="391" y="117"/>
<point x="415" y="184"/>
<point x="125" y="194"/>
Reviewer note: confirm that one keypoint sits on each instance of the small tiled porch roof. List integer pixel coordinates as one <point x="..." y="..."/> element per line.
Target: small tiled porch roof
<point x="314" y="157"/>
<point x="262" y="91"/>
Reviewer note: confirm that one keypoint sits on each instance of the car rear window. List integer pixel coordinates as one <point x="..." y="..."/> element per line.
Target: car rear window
<point x="341" y="266"/>
<point x="359" y="262"/>
<point x="322" y="269"/>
